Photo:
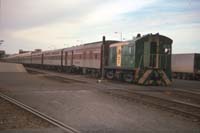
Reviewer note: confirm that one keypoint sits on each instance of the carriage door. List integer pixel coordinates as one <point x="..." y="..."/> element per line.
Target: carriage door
<point x="153" y="55"/>
<point x="84" y="59"/>
<point x="72" y="58"/>
<point x="66" y="56"/>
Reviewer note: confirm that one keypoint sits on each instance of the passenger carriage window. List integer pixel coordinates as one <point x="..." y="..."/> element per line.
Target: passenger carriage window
<point x="95" y="56"/>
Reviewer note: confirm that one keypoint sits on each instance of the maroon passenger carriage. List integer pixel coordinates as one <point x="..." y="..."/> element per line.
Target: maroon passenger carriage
<point x="52" y="59"/>
<point x="84" y="59"/>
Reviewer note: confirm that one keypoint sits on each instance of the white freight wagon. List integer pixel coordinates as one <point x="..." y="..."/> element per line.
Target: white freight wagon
<point x="186" y="66"/>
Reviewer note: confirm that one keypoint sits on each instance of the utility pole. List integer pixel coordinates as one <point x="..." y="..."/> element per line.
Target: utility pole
<point x="103" y="58"/>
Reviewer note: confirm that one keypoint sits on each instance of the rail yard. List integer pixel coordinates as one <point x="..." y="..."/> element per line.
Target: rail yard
<point x="105" y="86"/>
<point x="93" y="66"/>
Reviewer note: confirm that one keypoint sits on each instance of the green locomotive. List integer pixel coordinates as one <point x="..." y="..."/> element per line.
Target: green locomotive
<point x="145" y="60"/>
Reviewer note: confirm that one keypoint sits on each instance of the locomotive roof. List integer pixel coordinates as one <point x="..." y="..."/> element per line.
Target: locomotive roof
<point x="107" y="41"/>
<point x="149" y="35"/>
<point x="135" y="39"/>
<point x="87" y="45"/>
<point x="49" y="51"/>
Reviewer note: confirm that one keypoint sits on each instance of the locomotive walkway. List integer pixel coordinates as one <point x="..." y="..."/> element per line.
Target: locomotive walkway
<point x="81" y="106"/>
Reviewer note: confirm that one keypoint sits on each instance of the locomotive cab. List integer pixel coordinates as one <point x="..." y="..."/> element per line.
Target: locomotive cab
<point x="156" y="59"/>
<point x="157" y="52"/>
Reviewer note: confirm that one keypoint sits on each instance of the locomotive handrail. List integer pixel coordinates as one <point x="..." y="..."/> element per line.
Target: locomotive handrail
<point x="152" y="60"/>
<point x="162" y="57"/>
<point x="141" y="58"/>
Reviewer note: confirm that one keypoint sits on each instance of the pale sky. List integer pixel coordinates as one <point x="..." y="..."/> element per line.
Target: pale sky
<point x="50" y="24"/>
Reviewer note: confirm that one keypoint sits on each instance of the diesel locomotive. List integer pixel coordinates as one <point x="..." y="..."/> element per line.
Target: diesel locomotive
<point x="145" y="60"/>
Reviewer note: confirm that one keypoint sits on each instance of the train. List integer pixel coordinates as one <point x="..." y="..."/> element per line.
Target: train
<point x="186" y="66"/>
<point x="144" y="60"/>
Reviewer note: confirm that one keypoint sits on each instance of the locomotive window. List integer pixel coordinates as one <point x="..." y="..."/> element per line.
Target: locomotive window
<point x="125" y="50"/>
<point x="130" y="50"/>
<point x="167" y="50"/>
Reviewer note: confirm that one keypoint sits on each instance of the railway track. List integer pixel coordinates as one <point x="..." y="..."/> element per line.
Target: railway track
<point x="176" y="106"/>
<point x="51" y="120"/>
<point x="186" y="109"/>
<point x="176" y="94"/>
<point x="188" y="96"/>
<point x="190" y="91"/>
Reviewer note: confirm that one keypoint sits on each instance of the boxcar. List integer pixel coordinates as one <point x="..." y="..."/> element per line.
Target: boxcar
<point x="186" y="66"/>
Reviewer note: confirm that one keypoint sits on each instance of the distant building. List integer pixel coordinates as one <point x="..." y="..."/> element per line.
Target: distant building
<point x="2" y="53"/>
<point x="21" y="51"/>
<point x="35" y="51"/>
<point x="38" y="50"/>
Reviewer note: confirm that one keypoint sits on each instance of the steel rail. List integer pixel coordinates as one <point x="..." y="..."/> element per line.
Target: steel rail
<point x="173" y="105"/>
<point x="193" y="91"/>
<point x="51" y="120"/>
<point x="186" y="94"/>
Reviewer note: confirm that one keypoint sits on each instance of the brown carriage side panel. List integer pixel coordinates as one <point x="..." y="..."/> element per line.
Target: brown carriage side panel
<point x="31" y="58"/>
<point x="77" y="59"/>
<point x="42" y="59"/>
<point x="62" y="57"/>
<point x="66" y="58"/>
<point x="72" y="58"/>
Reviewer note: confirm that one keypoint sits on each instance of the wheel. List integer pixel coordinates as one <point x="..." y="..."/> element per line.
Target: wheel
<point x="97" y="74"/>
<point x="128" y="77"/>
<point x="184" y="76"/>
<point x="93" y="74"/>
<point x="110" y="74"/>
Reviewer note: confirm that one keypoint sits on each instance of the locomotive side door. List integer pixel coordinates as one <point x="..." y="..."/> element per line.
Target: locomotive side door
<point x="146" y="54"/>
<point x="153" y="52"/>
<point x="151" y="56"/>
